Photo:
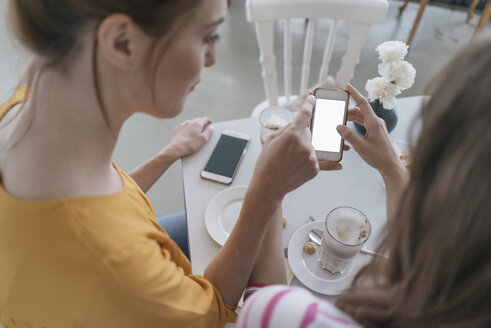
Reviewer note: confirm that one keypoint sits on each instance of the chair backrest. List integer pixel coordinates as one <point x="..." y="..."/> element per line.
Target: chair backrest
<point x="264" y="13"/>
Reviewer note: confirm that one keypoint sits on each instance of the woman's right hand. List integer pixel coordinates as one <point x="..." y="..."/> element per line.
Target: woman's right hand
<point x="287" y="159"/>
<point x="376" y="147"/>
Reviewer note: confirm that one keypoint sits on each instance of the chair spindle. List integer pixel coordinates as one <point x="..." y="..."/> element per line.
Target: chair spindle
<point x="328" y="50"/>
<point x="307" y="55"/>
<point x="287" y="58"/>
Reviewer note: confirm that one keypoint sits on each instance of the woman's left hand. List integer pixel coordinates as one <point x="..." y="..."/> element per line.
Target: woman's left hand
<point x="188" y="137"/>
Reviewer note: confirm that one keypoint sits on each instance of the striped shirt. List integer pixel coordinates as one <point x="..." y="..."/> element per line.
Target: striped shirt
<point x="282" y="306"/>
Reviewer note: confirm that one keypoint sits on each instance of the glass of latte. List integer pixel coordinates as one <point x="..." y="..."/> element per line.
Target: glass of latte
<point x="346" y="230"/>
<point x="272" y="119"/>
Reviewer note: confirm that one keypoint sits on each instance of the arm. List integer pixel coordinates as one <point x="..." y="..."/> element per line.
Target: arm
<point x="230" y="270"/>
<point x="270" y="267"/>
<point x="187" y="138"/>
<point x="149" y="172"/>
<point x="149" y="284"/>
<point x="287" y="161"/>
<point x="395" y="181"/>
<point x="376" y="149"/>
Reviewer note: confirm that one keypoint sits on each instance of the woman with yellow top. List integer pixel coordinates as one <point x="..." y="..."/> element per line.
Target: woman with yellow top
<point x="79" y="242"/>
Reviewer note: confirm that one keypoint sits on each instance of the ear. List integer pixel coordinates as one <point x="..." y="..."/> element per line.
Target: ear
<point x="116" y="40"/>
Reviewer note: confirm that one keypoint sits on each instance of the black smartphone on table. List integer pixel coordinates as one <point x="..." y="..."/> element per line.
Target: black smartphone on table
<point x="226" y="157"/>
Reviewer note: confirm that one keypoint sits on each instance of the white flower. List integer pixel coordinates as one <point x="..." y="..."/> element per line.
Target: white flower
<point x="399" y="72"/>
<point x="390" y="103"/>
<point x="396" y="74"/>
<point x="384" y="90"/>
<point x="392" y="50"/>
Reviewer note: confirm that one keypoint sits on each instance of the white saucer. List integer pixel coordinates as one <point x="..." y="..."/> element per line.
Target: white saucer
<point x="222" y="212"/>
<point x="307" y="267"/>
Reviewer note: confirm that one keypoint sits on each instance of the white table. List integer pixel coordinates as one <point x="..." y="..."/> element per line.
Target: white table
<point x="357" y="185"/>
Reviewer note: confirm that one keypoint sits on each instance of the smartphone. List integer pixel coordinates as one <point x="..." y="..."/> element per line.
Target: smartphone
<point x="330" y="110"/>
<point x="226" y="157"/>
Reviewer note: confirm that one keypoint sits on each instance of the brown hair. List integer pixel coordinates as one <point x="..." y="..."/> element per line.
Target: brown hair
<point x="52" y="29"/>
<point x="439" y="271"/>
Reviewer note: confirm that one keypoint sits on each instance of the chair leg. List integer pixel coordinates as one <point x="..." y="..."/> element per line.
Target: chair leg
<point x="486" y="13"/>
<point x="422" y="7"/>
<point x="470" y="11"/>
<point x="404" y="5"/>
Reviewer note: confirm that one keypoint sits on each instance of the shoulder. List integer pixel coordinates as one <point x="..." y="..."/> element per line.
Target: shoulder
<point x="283" y="306"/>
<point x="9" y="112"/>
<point x="20" y="95"/>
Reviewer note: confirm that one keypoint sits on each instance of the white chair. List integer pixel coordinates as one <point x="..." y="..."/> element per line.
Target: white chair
<point x="264" y="13"/>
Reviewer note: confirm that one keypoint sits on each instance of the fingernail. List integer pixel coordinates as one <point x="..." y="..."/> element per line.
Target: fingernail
<point x="311" y="98"/>
<point x="340" y="128"/>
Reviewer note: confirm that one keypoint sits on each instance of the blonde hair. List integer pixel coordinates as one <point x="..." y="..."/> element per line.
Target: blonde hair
<point x="439" y="271"/>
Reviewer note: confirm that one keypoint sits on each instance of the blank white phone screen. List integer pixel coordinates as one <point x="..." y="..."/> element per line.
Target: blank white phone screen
<point x="327" y="116"/>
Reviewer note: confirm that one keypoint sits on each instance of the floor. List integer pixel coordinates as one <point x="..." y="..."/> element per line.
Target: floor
<point x="231" y="88"/>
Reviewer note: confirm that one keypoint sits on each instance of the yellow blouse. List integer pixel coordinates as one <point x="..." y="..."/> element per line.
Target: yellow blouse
<point x="99" y="261"/>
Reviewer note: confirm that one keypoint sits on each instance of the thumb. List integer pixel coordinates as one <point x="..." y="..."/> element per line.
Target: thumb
<point x="350" y="136"/>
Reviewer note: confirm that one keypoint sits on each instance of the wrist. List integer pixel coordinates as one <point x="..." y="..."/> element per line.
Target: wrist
<point x="395" y="173"/>
<point x="169" y="154"/>
<point x="262" y="199"/>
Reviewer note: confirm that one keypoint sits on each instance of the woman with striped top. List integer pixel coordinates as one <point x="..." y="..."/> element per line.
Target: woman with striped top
<point x="282" y="306"/>
<point x="439" y="270"/>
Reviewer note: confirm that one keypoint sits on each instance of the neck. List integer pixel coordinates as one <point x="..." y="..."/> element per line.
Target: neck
<point x="62" y="140"/>
<point x="68" y="119"/>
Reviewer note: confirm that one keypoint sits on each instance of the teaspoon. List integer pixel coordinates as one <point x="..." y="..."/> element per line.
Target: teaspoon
<point x="316" y="236"/>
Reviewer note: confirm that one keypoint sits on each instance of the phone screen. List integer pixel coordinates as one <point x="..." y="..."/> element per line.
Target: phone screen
<point x="226" y="155"/>
<point x="328" y="115"/>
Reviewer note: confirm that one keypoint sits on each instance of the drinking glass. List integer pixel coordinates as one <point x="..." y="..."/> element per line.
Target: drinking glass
<point x="272" y="119"/>
<point x="346" y="230"/>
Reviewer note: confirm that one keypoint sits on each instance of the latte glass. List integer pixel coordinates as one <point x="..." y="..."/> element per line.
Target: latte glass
<point x="346" y="230"/>
<point x="272" y="119"/>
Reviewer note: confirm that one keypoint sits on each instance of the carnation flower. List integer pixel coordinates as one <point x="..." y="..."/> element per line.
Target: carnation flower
<point x="399" y="72"/>
<point x="389" y="103"/>
<point x="396" y="74"/>
<point x="392" y="50"/>
<point x="384" y="90"/>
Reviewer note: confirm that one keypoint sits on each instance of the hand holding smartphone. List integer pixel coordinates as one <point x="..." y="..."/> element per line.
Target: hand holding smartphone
<point x="330" y="110"/>
<point x="226" y="157"/>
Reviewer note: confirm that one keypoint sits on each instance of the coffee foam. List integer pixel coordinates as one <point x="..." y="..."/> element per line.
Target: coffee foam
<point x="348" y="230"/>
<point x="275" y="122"/>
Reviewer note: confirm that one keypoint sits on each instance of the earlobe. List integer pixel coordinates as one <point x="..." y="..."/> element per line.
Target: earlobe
<point x="114" y="40"/>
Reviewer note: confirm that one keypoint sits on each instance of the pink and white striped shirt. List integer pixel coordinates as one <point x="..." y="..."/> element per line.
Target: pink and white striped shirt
<point x="283" y="306"/>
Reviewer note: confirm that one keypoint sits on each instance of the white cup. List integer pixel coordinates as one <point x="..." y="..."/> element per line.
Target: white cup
<point x="346" y="230"/>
